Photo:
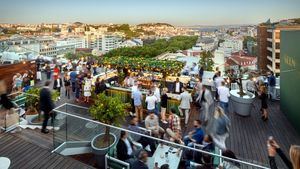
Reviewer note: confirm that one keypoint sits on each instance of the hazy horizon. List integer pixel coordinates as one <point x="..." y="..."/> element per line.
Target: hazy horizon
<point x="175" y="12"/>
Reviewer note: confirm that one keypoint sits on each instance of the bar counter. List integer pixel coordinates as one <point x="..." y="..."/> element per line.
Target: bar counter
<point x="125" y="95"/>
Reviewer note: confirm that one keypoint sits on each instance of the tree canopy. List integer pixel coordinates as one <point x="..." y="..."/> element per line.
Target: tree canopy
<point x="206" y="60"/>
<point x="156" y="48"/>
<point x="149" y="64"/>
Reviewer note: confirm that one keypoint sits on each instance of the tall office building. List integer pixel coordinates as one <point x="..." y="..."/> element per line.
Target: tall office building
<point x="268" y="41"/>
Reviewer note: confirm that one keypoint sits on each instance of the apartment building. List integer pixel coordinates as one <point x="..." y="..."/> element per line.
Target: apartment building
<point x="104" y="42"/>
<point x="268" y="40"/>
<point x="69" y="45"/>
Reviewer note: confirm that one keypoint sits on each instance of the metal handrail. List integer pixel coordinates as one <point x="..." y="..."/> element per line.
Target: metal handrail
<point x="157" y="139"/>
<point x="115" y="160"/>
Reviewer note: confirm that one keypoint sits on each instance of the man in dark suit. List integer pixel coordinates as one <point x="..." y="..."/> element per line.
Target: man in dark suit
<point x="126" y="151"/>
<point x="177" y="86"/>
<point x="141" y="163"/>
<point x="46" y="105"/>
<point x="57" y="85"/>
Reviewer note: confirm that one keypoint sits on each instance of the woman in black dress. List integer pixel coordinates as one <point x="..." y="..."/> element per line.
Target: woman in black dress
<point x="100" y="86"/>
<point x="67" y="83"/>
<point x="264" y="102"/>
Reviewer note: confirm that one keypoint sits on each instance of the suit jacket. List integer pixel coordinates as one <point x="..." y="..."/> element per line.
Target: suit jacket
<point x="139" y="165"/>
<point x="122" y="150"/>
<point x="55" y="85"/>
<point x="46" y="103"/>
<point x="180" y="89"/>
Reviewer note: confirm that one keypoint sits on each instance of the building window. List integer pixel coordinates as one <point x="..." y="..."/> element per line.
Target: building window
<point x="277" y="35"/>
<point x="277" y="45"/>
<point x="277" y="55"/>
<point x="277" y="65"/>
<point x="270" y="35"/>
<point x="269" y="44"/>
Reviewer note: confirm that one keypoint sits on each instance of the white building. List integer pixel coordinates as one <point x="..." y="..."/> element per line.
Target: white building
<point x="79" y="30"/>
<point x="69" y="45"/>
<point x="102" y="41"/>
<point x="219" y="60"/>
<point x="231" y="45"/>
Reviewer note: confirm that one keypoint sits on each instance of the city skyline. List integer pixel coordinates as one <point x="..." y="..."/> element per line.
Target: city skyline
<point x="176" y="12"/>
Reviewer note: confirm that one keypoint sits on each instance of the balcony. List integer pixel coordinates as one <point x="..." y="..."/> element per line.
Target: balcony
<point x="269" y="40"/>
<point x="270" y="58"/>
<point x="270" y="49"/>
<point x="270" y="67"/>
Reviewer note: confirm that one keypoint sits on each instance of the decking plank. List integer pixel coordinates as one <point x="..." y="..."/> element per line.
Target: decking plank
<point x="27" y="155"/>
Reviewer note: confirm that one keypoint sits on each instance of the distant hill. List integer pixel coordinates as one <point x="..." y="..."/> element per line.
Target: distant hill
<point x="155" y="24"/>
<point x="77" y="23"/>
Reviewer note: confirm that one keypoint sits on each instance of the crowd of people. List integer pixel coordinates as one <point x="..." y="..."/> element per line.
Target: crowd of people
<point x="211" y="128"/>
<point x="22" y="83"/>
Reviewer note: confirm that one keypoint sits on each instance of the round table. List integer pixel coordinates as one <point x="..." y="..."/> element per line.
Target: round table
<point x="4" y="162"/>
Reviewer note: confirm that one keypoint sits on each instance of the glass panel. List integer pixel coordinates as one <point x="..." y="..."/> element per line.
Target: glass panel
<point x="75" y="134"/>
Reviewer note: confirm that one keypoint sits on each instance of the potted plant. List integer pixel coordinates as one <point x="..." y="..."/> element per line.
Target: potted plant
<point x="33" y="114"/>
<point x="108" y="110"/>
<point x="241" y="99"/>
<point x="32" y="103"/>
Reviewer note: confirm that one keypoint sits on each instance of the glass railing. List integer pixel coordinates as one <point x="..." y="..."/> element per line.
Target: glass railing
<point x="75" y="133"/>
<point x="10" y="120"/>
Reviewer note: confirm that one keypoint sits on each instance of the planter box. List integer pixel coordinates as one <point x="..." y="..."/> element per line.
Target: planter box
<point x="242" y="105"/>
<point x="101" y="152"/>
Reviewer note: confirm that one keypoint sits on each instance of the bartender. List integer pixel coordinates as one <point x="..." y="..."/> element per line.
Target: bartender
<point x="129" y="81"/>
<point x="177" y="86"/>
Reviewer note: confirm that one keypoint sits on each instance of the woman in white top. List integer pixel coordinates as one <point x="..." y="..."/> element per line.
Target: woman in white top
<point x="87" y="89"/>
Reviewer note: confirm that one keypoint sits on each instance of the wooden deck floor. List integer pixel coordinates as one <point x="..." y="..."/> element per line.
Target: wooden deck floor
<point x="248" y="135"/>
<point x="26" y="155"/>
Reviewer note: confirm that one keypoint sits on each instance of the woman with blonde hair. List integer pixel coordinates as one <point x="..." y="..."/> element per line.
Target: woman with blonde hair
<point x="262" y="93"/>
<point x="274" y="148"/>
<point x="295" y="156"/>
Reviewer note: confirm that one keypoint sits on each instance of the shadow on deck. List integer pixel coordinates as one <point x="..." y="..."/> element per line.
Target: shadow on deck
<point x="27" y="155"/>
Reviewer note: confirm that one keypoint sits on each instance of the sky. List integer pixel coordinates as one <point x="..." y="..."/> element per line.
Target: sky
<point x="176" y="12"/>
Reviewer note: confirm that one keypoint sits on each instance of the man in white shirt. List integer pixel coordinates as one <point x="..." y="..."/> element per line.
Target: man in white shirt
<point x="133" y="89"/>
<point x="156" y="93"/>
<point x="185" y="104"/>
<point x="218" y="80"/>
<point x="152" y="123"/>
<point x="151" y="101"/>
<point x="224" y="95"/>
<point x="177" y="86"/>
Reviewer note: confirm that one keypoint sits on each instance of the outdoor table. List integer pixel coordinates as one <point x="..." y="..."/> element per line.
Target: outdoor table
<point x="4" y="162"/>
<point x="159" y="157"/>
